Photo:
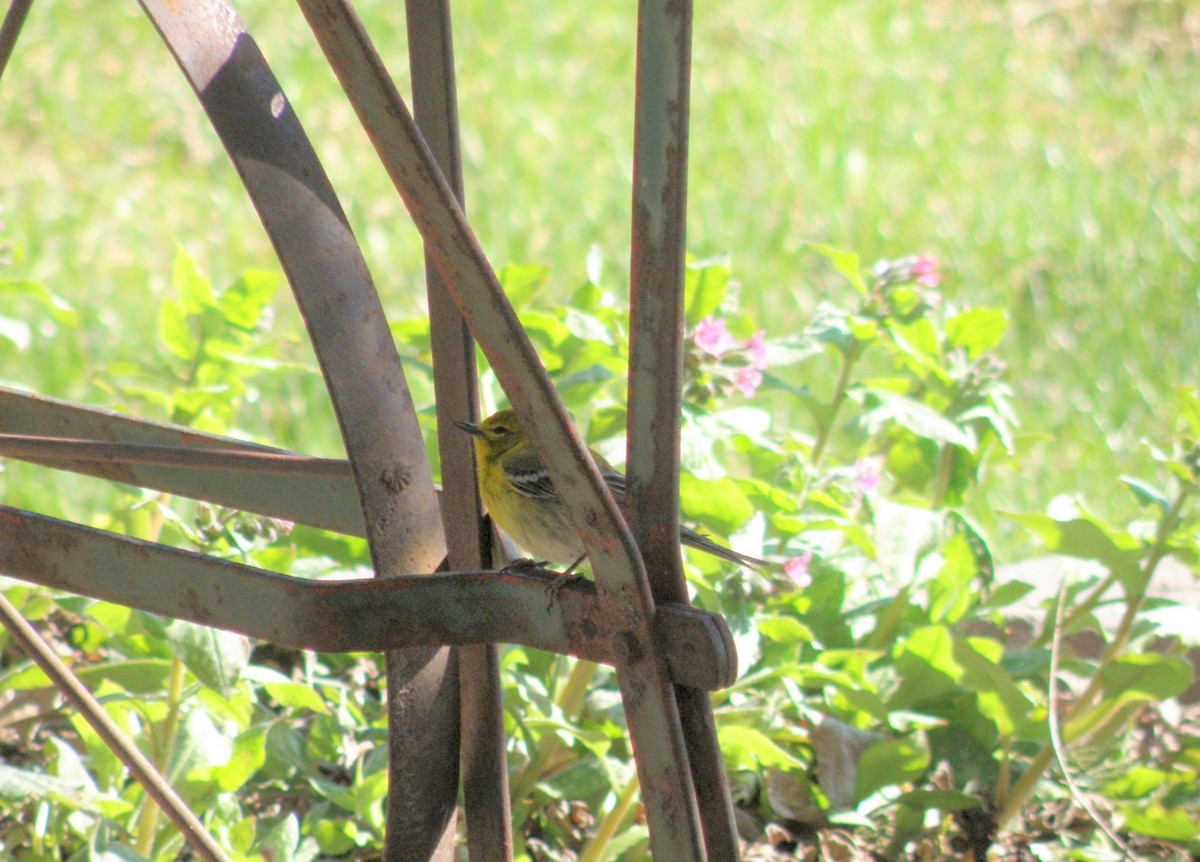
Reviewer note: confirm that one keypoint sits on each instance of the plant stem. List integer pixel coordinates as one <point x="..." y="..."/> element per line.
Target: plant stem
<point x="148" y="822"/>
<point x="612" y="821"/>
<point x="1037" y="768"/>
<point x="1133" y="604"/>
<point x="570" y="702"/>
<point x="839" y="398"/>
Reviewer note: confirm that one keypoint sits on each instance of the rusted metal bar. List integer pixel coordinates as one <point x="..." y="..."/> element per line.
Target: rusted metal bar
<point x="468" y="540"/>
<point x="656" y="364"/>
<point x="365" y="614"/>
<point x="14" y="20"/>
<point x="358" y="358"/>
<point x="327" y="503"/>
<point x="29" y="448"/>
<point x="650" y="707"/>
<point x="139" y="766"/>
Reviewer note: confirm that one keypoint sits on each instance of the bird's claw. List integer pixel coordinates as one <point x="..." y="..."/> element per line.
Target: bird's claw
<point x="557" y="585"/>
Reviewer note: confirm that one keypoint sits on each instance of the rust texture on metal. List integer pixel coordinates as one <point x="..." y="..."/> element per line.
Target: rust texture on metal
<point x="456" y="253"/>
<point x="139" y="766"/>
<point x="14" y="19"/>
<point x="30" y="448"/>
<point x="484" y="769"/>
<point x="318" y="252"/>
<point x="628" y="608"/>
<point x="640" y="624"/>
<point x="358" y="358"/>
<point x="656" y="366"/>
<point x="318" y="501"/>
<point x="356" y="615"/>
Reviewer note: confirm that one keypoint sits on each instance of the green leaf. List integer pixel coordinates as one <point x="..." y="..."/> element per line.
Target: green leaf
<point x="1148" y="676"/>
<point x="952" y="591"/>
<point x="782" y="352"/>
<point x="336" y="838"/>
<point x="786" y="630"/>
<point x="938" y="800"/>
<point x="588" y="328"/>
<point x="19" y="785"/>
<point x="18" y="333"/>
<point x="705" y="283"/>
<point x="281" y="841"/>
<point x="718" y="503"/>
<point x="916" y="417"/>
<point x="977" y="331"/>
<point x="1137" y="783"/>
<point x="580" y="781"/>
<point x="889" y="762"/>
<point x="999" y="697"/>
<point x="846" y="263"/>
<point x="1164" y="824"/>
<point x="244" y="302"/>
<point x="195" y="291"/>
<point x="1086" y="539"/>
<point x="521" y="282"/>
<point x="919" y="339"/>
<point x="60" y="310"/>
<point x="174" y="330"/>
<point x="215" y="657"/>
<point x="1008" y="593"/>
<point x="927" y="668"/>
<point x="748" y="748"/>
<point x="1147" y="494"/>
<point x="137" y="676"/>
<point x="295" y="695"/>
<point x="248" y="756"/>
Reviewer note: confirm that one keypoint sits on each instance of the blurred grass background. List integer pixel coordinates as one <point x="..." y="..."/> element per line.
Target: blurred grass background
<point x="1048" y="153"/>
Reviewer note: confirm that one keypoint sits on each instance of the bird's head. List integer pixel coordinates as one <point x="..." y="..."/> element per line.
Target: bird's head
<point x="495" y="435"/>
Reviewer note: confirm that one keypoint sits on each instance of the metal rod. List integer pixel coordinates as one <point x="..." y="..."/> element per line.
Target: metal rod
<point x="363" y="614"/>
<point x="484" y="767"/>
<point x="356" y="351"/>
<point x="32" y="448"/>
<point x="658" y="246"/>
<point x="322" y="502"/>
<point x="14" y="20"/>
<point x="142" y="770"/>
<point x="628" y="608"/>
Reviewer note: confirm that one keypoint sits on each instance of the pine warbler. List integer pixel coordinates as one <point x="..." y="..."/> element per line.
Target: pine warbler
<point x="521" y="500"/>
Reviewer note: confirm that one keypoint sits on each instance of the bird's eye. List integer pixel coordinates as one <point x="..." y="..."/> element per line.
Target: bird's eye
<point x="499" y="431"/>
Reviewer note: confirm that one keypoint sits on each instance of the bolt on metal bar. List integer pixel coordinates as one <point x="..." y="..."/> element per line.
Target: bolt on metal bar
<point x="650" y="707"/>
<point x="656" y="365"/>
<point x="468" y="540"/>
<point x="142" y="770"/>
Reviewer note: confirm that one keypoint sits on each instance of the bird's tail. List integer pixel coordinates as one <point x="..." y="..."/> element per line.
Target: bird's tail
<point x="700" y="542"/>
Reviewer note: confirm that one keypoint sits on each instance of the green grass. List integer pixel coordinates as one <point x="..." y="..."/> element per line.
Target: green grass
<point x="1046" y="153"/>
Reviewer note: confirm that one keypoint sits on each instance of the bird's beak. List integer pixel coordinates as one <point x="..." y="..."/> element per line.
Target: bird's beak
<point x="470" y="427"/>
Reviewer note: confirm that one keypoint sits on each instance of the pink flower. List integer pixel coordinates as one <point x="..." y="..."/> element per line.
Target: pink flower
<point x="712" y="337"/>
<point x="757" y="348"/>
<point x="797" y="569"/>
<point x="747" y="380"/>
<point x="868" y="473"/>
<point x="924" y="271"/>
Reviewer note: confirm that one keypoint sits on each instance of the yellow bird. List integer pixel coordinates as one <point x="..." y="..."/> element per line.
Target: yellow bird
<point x="518" y="494"/>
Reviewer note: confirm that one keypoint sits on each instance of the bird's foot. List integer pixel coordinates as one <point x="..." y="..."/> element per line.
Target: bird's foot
<point x="557" y="585"/>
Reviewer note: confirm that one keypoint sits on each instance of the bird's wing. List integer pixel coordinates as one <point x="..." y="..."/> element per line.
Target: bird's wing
<point x="526" y="473"/>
